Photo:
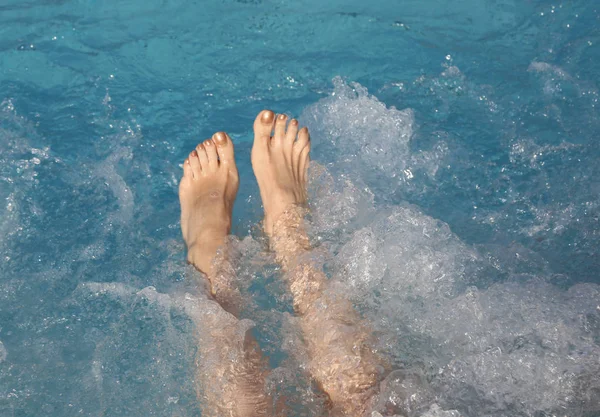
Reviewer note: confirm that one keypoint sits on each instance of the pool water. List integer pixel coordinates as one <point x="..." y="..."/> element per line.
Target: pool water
<point x="455" y="196"/>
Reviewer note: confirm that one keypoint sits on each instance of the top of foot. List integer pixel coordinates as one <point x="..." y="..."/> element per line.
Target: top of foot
<point x="280" y="158"/>
<point x="207" y="192"/>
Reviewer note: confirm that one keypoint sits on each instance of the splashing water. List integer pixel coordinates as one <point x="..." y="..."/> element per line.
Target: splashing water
<point x="487" y="334"/>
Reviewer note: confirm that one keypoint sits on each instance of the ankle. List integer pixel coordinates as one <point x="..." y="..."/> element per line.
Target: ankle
<point x="202" y="250"/>
<point x="280" y="216"/>
<point x="288" y="237"/>
<point x="216" y="229"/>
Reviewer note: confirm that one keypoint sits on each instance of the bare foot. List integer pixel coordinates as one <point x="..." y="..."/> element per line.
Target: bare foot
<point x="206" y="192"/>
<point x="280" y="163"/>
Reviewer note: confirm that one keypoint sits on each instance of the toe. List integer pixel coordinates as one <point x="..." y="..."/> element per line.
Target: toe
<point x="202" y="157"/>
<point x="299" y="149"/>
<point x="304" y="162"/>
<point x="224" y="147"/>
<point x="291" y="133"/>
<point x="279" y="134"/>
<point x="195" y="164"/>
<point x="211" y="154"/>
<point x="290" y="138"/>
<point x="263" y="126"/>
<point x="187" y="169"/>
<point x="302" y="142"/>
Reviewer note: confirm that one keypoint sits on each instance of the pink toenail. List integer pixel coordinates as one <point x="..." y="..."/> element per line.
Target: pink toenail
<point x="294" y="122"/>
<point x="282" y="117"/>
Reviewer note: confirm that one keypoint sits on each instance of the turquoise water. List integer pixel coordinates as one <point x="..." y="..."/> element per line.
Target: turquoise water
<point x="455" y="195"/>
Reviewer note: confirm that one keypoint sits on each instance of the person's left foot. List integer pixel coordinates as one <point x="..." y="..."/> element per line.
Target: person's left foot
<point x="207" y="192"/>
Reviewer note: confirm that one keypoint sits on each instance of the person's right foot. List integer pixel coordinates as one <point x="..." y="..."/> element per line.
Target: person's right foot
<point x="206" y="192"/>
<point x="280" y="163"/>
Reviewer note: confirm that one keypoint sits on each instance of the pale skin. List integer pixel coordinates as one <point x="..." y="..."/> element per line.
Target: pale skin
<point x="341" y="358"/>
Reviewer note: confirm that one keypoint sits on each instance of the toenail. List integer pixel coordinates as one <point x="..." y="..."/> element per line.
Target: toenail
<point x="282" y="117"/>
<point x="294" y="122"/>
<point x="207" y="143"/>
<point x="220" y="138"/>
<point x="268" y="116"/>
<point x="194" y="153"/>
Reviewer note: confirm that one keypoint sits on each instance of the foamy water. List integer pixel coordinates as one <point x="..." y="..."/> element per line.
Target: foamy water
<point x="491" y="329"/>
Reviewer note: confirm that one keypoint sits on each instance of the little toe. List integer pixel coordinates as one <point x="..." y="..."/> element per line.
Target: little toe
<point x="279" y="135"/>
<point x="224" y="147"/>
<point x="304" y="163"/>
<point x="211" y="153"/>
<point x="263" y="126"/>
<point x="195" y="164"/>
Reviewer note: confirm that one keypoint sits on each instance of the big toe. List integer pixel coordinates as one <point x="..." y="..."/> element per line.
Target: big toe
<point x="263" y="126"/>
<point x="224" y="147"/>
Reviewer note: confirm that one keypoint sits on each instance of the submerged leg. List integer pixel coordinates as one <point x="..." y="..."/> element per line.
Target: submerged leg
<point x="207" y="191"/>
<point x="341" y="357"/>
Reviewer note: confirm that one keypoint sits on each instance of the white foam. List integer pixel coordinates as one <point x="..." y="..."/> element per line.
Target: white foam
<point x="362" y="128"/>
<point x="544" y="67"/>
<point x="336" y="202"/>
<point x="115" y="289"/>
<point x="362" y="140"/>
<point x="518" y="345"/>
<point x="404" y="251"/>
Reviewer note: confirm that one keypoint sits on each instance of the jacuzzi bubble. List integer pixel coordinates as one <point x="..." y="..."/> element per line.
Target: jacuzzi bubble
<point x="417" y="255"/>
<point x="360" y="263"/>
<point x="353" y="124"/>
<point x="337" y="204"/>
